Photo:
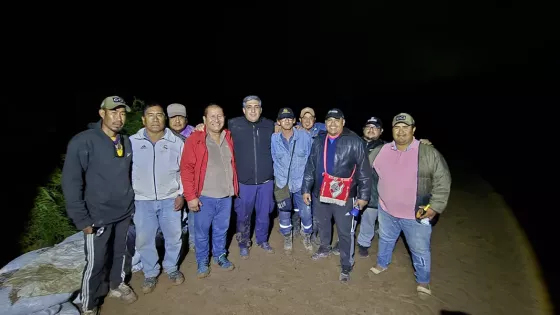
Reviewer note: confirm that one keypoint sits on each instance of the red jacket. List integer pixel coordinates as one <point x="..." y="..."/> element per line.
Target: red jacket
<point x="194" y="161"/>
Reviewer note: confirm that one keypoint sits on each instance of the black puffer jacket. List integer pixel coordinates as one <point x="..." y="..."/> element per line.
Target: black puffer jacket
<point x="350" y="151"/>
<point x="374" y="200"/>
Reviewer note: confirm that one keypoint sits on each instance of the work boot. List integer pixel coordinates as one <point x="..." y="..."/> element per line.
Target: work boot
<point x="288" y="243"/>
<point x="307" y="242"/>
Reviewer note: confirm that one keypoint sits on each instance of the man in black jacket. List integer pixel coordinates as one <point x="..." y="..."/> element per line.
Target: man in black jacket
<point x="100" y="201"/>
<point x="337" y="178"/>
<point x="251" y="141"/>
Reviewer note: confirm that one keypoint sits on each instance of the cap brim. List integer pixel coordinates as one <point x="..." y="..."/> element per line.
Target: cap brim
<point x="126" y="107"/>
<point x="402" y="122"/>
<point x="176" y="114"/>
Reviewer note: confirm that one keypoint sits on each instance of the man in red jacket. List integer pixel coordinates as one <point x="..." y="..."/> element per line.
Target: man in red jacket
<point x="209" y="181"/>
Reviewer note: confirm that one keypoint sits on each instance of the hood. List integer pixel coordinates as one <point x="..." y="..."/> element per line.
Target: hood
<point x="95" y="125"/>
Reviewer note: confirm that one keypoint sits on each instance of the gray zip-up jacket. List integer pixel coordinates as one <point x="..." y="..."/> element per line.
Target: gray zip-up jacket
<point x="156" y="166"/>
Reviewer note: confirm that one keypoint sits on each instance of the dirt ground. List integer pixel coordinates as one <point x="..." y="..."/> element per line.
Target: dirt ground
<point x="481" y="264"/>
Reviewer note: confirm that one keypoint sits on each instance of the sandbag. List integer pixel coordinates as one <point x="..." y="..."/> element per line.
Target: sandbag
<point x="40" y="280"/>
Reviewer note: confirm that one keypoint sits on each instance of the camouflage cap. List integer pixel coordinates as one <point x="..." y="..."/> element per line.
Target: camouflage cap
<point x="403" y="118"/>
<point x="113" y="102"/>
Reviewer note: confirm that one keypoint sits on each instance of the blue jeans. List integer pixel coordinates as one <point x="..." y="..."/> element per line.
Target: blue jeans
<point x="285" y="218"/>
<point x="190" y="217"/>
<point x="417" y="237"/>
<point x="367" y="227"/>
<point x="214" y="212"/>
<point x="149" y="216"/>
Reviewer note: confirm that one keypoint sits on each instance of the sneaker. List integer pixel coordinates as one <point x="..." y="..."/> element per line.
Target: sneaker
<point x="224" y="263"/>
<point x="203" y="270"/>
<point x="176" y="277"/>
<point x="363" y="251"/>
<point x="321" y="253"/>
<point x="344" y="275"/>
<point x="123" y="292"/>
<point x="335" y="250"/>
<point x="307" y="242"/>
<point x="94" y="311"/>
<point x="149" y="285"/>
<point x="266" y="247"/>
<point x="244" y="252"/>
<point x="288" y="242"/>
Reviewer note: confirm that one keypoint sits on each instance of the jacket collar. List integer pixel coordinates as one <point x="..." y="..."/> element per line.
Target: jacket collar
<point x="167" y="136"/>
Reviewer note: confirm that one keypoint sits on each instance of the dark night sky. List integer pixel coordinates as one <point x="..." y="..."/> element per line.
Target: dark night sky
<point x="477" y="76"/>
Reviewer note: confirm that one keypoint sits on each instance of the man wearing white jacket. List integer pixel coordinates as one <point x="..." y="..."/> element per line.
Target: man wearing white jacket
<point x="158" y="195"/>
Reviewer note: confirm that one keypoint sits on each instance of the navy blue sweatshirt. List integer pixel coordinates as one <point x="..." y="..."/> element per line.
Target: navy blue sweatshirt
<point x="95" y="181"/>
<point x="251" y="144"/>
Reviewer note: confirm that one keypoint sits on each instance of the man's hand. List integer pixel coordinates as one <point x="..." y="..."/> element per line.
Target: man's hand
<point x="277" y="128"/>
<point x="88" y="230"/>
<point x="430" y="213"/>
<point x="361" y="203"/>
<point x="194" y="205"/>
<point x="426" y="142"/>
<point x="199" y="127"/>
<point x="307" y="199"/>
<point x="179" y="203"/>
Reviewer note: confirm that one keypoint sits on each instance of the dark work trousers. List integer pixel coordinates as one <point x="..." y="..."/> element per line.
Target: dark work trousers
<point x="104" y="250"/>
<point x="259" y="197"/>
<point x="345" y="225"/>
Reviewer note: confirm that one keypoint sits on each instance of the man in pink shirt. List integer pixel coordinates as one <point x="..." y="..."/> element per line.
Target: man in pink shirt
<point x="411" y="177"/>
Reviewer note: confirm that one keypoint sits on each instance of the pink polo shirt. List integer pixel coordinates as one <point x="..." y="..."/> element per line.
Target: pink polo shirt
<point x="398" y="179"/>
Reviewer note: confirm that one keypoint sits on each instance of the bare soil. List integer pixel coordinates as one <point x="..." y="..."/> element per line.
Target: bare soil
<point x="481" y="264"/>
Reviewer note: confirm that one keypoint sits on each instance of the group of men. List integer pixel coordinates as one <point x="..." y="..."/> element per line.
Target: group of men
<point x="310" y="172"/>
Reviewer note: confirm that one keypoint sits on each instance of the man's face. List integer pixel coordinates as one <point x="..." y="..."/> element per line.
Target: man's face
<point x="334" y="126"/>
<point x="113" y="119"/>
<point x="178" y="123"/>
<point x="214" y="119"/>
<point x="371" y="132"/>
<point x="403" y="133"/>
<point x="307" y="121"/>
<point x="287" y="123"/>
<point x="154" y="119"/>
<point x="252" y="110"/>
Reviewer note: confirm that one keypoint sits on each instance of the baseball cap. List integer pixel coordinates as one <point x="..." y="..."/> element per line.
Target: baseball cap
<point x="285" y="112"/>
<point x="307" y="110"/>
<point x="176" y="109"/>
<point x="374" y="121"/>
<point x="113" y="102"/>
<point x="334" y="113"/>
<point x="403" y="118"/>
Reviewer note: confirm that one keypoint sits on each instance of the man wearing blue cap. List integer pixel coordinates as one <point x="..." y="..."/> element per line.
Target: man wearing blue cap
<point x="337" y="180"/>
<point x="290" y="149"/>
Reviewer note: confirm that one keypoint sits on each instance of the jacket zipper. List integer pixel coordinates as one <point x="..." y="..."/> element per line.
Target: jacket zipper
<point x="255" y="152"/>
<point x="154" y="168"/>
